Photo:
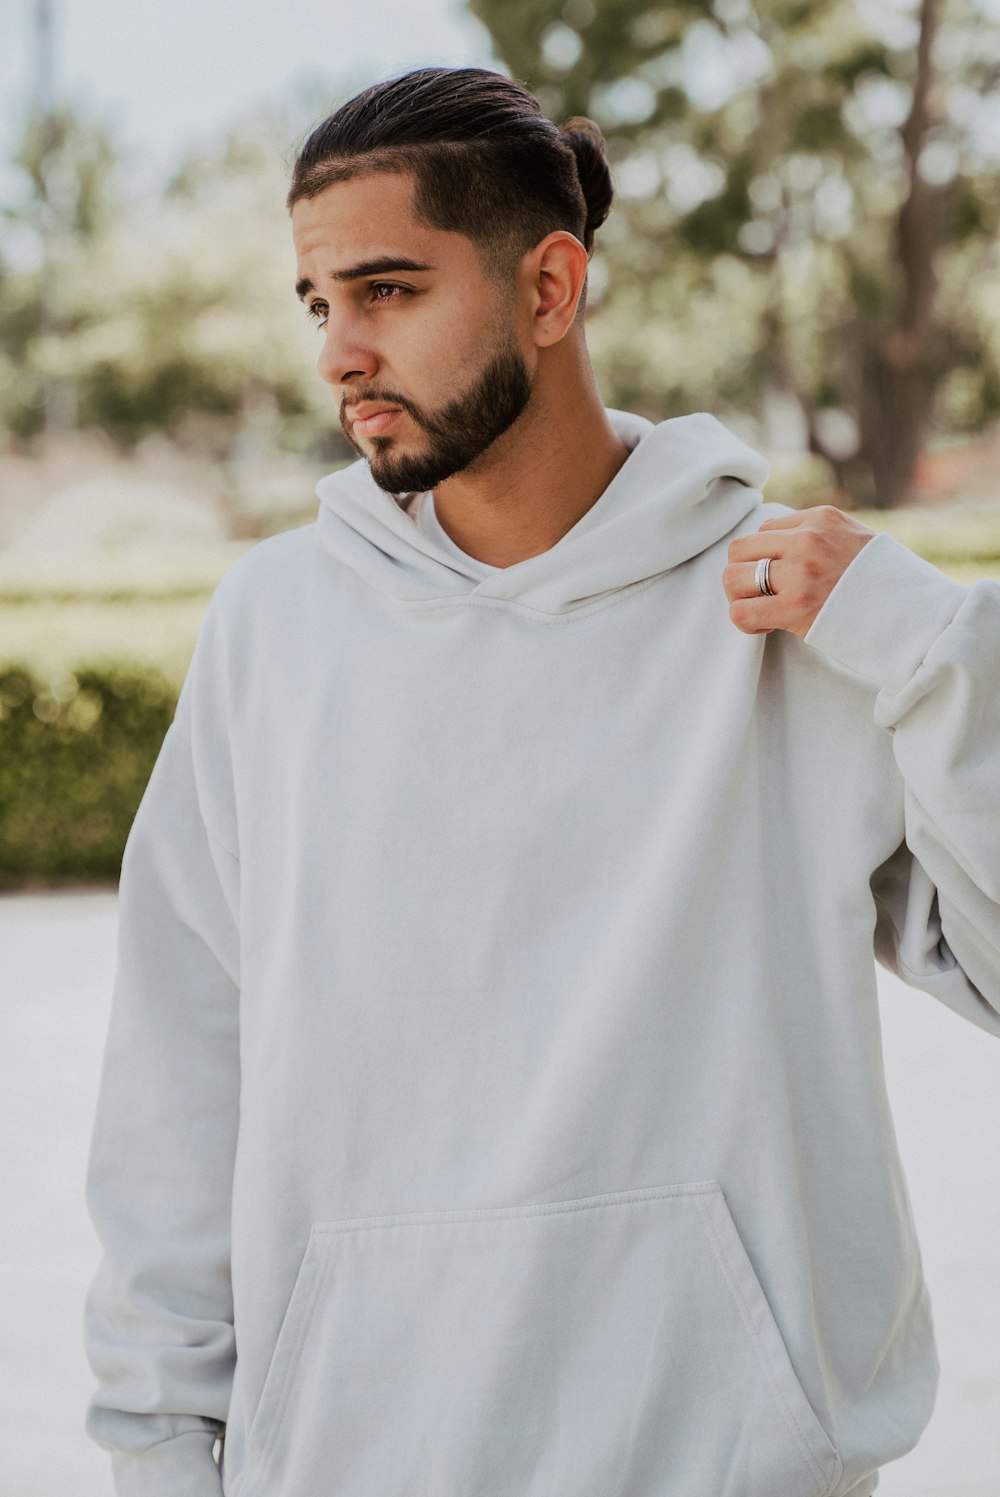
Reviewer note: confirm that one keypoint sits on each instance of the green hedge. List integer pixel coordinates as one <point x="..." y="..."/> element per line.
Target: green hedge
<point x="76" y="751"/>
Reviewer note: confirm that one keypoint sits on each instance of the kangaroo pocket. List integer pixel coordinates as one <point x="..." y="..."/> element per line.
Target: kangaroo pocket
<point x="614" y="1346"/>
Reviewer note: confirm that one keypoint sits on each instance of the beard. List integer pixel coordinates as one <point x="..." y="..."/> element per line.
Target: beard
<point x="458" y="433"/>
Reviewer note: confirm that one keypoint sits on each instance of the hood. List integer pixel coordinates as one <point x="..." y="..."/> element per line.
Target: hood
<point x="686" y="483"/>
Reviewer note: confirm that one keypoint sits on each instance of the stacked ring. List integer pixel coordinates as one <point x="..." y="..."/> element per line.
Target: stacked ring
<point x="761" y="578"/>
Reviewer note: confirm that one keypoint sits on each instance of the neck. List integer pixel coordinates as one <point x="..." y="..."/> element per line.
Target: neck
<point x="538" y="479"/>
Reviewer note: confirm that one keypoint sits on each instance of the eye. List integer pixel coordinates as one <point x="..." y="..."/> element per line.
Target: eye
<point x="389" y="287"/>
<point x="318" y="311"/>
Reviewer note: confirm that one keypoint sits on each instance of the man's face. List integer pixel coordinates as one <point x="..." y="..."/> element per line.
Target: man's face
<point x="420" y="349"/>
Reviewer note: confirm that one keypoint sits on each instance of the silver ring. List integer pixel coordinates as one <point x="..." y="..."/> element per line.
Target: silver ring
<point x="764" y="588"/>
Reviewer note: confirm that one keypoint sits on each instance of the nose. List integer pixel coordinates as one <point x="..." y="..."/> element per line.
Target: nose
<point x="343" y="359"/>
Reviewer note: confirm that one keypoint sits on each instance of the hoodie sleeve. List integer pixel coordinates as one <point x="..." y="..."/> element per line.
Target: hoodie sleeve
<point x="159" y="1319"/>
<point x="932" y="647"/>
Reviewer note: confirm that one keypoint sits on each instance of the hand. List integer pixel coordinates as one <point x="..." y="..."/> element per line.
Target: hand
<point x="812" y="550"/>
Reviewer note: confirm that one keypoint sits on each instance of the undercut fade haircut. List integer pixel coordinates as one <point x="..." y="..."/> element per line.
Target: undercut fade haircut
<point x="486" y="161"/>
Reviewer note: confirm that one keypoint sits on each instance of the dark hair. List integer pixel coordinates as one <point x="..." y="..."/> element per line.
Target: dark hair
<point x="486" y="161"/>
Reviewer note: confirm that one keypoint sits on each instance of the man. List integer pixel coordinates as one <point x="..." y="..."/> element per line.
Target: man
<point x="493" y="1100"/>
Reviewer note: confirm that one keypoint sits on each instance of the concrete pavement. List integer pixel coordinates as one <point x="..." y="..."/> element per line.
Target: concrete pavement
<point x="56" y="969"/>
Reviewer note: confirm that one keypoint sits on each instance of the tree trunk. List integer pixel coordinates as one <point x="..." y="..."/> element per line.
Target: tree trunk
<point x="900" y="377"/>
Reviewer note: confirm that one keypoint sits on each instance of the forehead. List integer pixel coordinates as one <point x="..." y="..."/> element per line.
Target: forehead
<point x="366" y="217"/>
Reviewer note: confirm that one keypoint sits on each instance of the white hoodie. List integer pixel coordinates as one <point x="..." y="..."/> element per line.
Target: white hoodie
<point x="495" y="1061"/>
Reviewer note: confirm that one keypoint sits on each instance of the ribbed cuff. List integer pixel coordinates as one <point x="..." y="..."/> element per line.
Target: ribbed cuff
<point x="182" y="1466"/>
<point x="886" y="611"/>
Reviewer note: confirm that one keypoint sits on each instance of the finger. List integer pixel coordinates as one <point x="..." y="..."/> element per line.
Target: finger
<point x="785" y="522"/>
<point x="754" y="547"/>
<point x="756" y="615"/>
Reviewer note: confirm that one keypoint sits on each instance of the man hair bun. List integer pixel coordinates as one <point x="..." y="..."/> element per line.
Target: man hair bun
<point x="588" y="146"/>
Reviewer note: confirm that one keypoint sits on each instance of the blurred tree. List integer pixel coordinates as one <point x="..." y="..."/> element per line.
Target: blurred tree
<point x="66" y="165"/>
<point x="165" y="309"/>
<point x="808" y="208"/>
<point x="70" y="162"/>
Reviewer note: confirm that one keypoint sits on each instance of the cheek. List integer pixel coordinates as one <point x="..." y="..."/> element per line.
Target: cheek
<point x="444" y="351"/>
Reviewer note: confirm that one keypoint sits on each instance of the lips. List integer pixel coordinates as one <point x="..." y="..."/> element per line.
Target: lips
<point x="372" y="421"/>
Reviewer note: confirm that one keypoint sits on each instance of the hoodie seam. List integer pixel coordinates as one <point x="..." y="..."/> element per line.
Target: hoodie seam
<point x="772" y="1372"/>
<point x="184" y="733"/>
<point x="512" y="605"/>
<point x="211" y="1427"/>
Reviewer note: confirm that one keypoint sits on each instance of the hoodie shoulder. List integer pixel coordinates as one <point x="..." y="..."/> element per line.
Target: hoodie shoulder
<point x="277" y="563"/>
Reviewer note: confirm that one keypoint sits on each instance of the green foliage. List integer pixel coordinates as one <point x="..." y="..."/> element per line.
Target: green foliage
<point x="753" y="257"/>
<point x="129" y="404"/>
<point x="787" y="154"/>
<point x="711" y="228"/>
<point x="169" y="311"/>
<point x="76" y="752"/>
<point x="70" y="161"/>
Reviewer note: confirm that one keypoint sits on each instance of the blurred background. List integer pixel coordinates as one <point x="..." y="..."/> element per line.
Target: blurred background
<point x="806" y="242"/>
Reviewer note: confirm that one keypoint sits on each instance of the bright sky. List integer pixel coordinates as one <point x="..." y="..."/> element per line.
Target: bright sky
<point x="174" y="73"/>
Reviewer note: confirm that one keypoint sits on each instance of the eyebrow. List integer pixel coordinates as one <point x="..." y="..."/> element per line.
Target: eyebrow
<point x="384" y="266"/>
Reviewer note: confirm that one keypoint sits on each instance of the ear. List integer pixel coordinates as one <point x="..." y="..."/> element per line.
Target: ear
<point x="556" y="270"/>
